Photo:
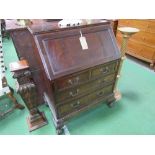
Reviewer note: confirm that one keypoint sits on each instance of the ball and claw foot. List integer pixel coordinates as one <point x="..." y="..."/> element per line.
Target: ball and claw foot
<point x="152" y="66"/>
<point x="111" y="103"/>
<point x="60" y="131"/>
<point x="117" y="97"/>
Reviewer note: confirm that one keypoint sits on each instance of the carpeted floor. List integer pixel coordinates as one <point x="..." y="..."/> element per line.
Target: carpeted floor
<point x="133" y="114"/>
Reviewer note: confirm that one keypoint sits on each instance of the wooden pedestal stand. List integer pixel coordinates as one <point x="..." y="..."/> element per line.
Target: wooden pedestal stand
<point x="127" y="32"/>
<point x="27" y="89"/>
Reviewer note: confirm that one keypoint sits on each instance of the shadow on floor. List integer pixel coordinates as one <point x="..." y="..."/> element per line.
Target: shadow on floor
<point x="131" y="96"/>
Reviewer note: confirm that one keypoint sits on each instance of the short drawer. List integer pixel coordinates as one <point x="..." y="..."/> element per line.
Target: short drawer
<point x="104" y="69"/>
<point x="84" y="89"/>
<point x="71" y="81"/>
<point x="75" y="105"/>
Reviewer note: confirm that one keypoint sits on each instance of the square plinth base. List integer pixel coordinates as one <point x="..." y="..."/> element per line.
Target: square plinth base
<point x="38" y="123"/>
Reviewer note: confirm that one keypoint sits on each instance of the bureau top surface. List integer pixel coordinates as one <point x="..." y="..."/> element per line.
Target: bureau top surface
<point x="36" y="24"/>
<point x="12" y="25"/>
<point x="42" y="26"/>
<point x="62" y="54"/>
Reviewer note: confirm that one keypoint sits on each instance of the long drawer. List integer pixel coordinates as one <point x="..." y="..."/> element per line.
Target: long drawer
<point x="85" y="76"/>
<point x="151" y="27"/>
<point x="140" y="24"/>
<point x="143" y="37"/>
<point x="75" y="105"/>
<point x="139" y="48"/>
<point x="84" y="89"/>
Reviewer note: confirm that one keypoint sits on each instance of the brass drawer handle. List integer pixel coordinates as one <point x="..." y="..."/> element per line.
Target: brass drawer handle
<point x="74" y="94"/>
<point x="104" y="70"/>
<point x="101" y="93"/>
<point x="74" y="81"/>
<point x="76" y="104"/>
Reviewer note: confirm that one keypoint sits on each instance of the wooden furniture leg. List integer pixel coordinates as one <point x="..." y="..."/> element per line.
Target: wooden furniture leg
<point x="152" y="66"/>
<point x="10" y="94"/>
<point x="16" y="105"/>
<point x="27" y="89"/>
<point x="13" y="99"/>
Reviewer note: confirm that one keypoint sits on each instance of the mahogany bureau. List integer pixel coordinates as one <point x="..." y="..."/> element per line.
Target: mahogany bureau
<point x="25" y="48"/>
<point x="76" y="78"/>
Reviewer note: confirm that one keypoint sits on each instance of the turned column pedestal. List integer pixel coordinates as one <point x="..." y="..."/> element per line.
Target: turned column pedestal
<point x="26" y="87"/>
<point x="126" y="32"/>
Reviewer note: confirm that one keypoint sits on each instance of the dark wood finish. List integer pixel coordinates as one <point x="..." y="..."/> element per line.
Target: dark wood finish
<point x="114" y="24"/>
<point x="142" y="44"/>
<point x="77" y="104"/>
<point x="57" y="49"/>
<point x="25" y="48"/>
<point x="27" y="89"/>
<point x="16" y="104"/>
<point x="76" y="79"/>
<point x="5" y="89"/>
<point x="63" y="73"/>
<point x="10" y="95"/>
<point x="81" y="89"/>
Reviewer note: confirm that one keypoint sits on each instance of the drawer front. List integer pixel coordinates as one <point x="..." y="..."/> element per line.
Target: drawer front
<point x="143" y="37"/>
<point x="151" y="27"/>
<point x="75" y="105"/>
<point x="141" y="49"/>
<point x="143" y="25"/>
<point x="104" y="70"/>
<point x="71" y="81"/>
<point x="140" y="24"/>
<point x="141" y="45"/>
<point x="84" y="89"/>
